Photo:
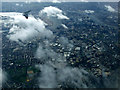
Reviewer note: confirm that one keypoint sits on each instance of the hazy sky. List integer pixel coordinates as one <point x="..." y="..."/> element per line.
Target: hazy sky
<point x="60" y="0"/>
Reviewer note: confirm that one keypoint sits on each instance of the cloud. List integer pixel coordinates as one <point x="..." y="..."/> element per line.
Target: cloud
<point x="28" y="1"/>
<point x="44" y="53"/>
<point x="55" y="71"/>
<point x="64" y="26"/>
<point x="47" y="78"/>
<point x="53" y="16"/>
<point x="89" y="11"/>
<point x="65" y="76"/>
<point x="62" y="75"/>
<point x="56" y="1"/>
<point x="73" y="77"/>
<point x="27" y="29"/>
<point x="109" y="8"/>
<point x="66" y="43"/>
<point x="2" y="77"/>
<point x="17" y="4"/>
<point x="53" y="12"/>
<point x="39" y="0"/>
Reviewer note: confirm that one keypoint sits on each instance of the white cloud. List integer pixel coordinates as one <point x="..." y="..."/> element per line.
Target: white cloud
<point x="2" y="77"/>
<point x="65" y="76"/>
<point x="17" y="4"/>
<point x="60" y="16"/>
<point x="27" y="29"/>
<point x="47" y="78"/>
<point x="56" y="1"/>
<point x="44" y="52"/>
<point x="64" y="26"/>
<point x="53" y="12"/>
<point x="53" y="16"/>
<point x="89" y="11"/>
<point x="39" y="1"/>
<point x="66" y="43"/>
<point x="73" y="77"/>
<point x="109" y="8"/>
<point x="28" y="1"/>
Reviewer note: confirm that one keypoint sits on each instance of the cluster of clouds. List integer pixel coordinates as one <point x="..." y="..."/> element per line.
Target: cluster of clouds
<point x="63" y="76"/>
<point x="55" y="71"/>
<point x="26" y="30"/>
<point x="108" y="7"/>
